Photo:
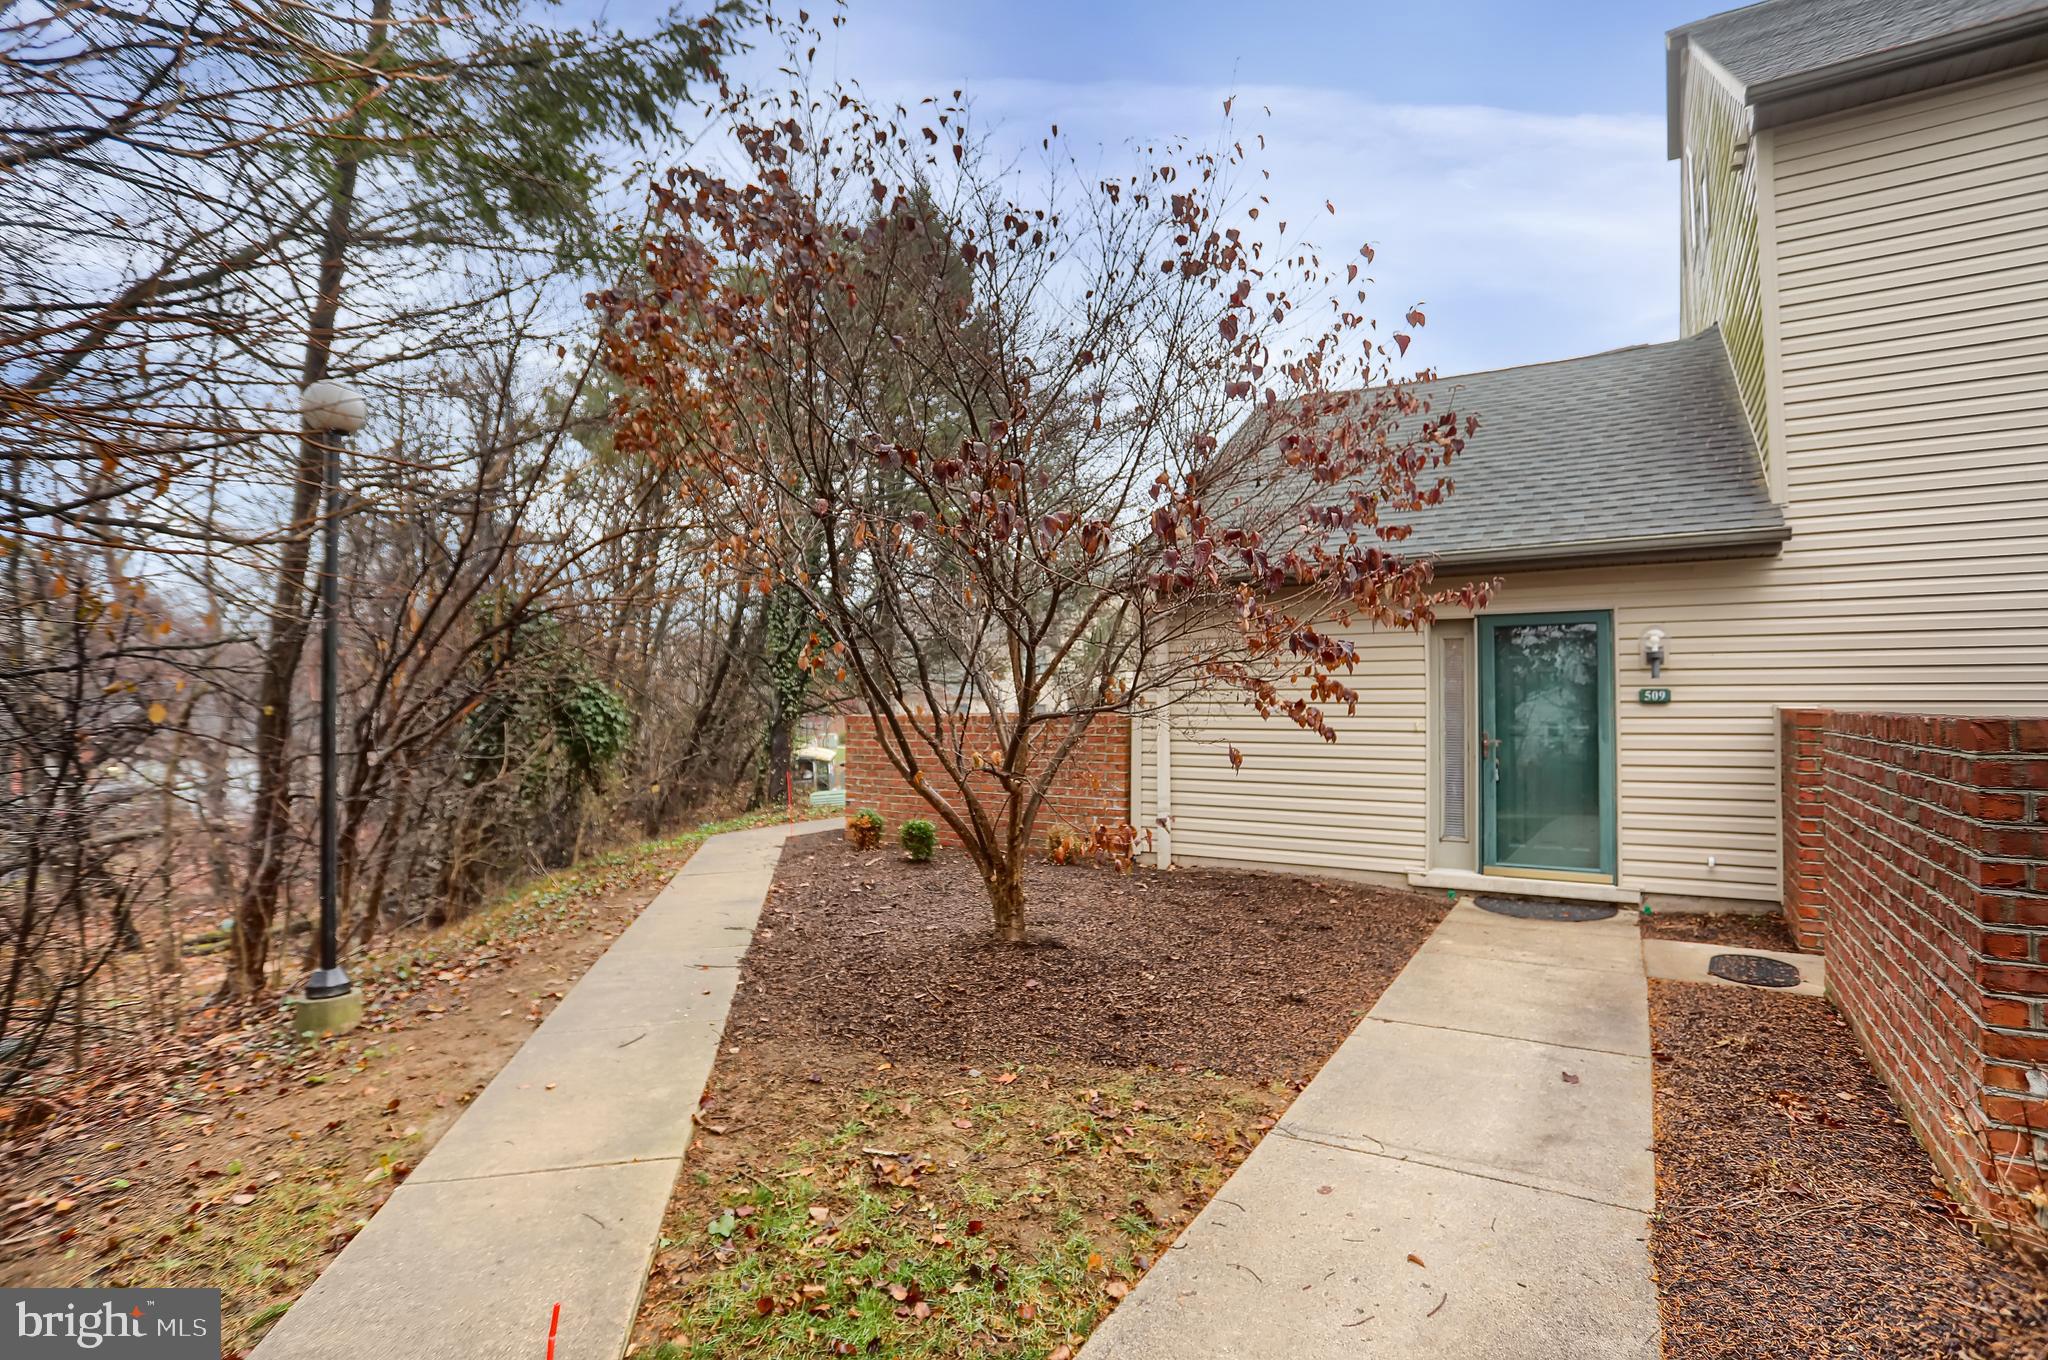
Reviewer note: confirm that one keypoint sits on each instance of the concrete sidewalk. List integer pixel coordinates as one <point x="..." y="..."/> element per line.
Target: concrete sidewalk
<point x="1469" y="1176"/>
<point x="550" y="1188"/>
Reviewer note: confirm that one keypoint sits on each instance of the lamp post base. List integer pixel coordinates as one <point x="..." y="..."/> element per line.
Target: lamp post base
<point x="328" y="982"/>
<point x="313" y="1016"/>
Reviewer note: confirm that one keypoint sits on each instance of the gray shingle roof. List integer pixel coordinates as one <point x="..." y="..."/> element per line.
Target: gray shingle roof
<point x="1631" y="455"/>
<point x="1787" y="39"/>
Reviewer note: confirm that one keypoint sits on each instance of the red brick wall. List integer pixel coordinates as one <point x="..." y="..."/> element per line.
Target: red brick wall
<point x="1799" y="751"/>
<point x="1093" y="786"/>
<point x="1927" y="874"/>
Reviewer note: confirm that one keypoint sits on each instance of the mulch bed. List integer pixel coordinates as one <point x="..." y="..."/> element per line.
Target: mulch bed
<point x="1252" y="974"/>
<point x="1737" y="930"/>
<point x="1796" y="1213"/>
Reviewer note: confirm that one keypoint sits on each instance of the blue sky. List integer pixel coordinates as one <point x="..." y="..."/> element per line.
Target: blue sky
<point x="1506" y="160"/>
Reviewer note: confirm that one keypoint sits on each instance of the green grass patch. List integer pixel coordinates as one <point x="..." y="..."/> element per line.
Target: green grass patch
<point x="840" y="1267"/>
<point x="945" y="1214"/>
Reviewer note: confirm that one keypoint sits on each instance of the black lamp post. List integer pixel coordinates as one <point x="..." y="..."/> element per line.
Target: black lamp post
<point x="332" y="412"/>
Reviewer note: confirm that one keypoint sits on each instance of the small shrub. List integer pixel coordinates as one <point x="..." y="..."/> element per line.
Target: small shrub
<point x="864" y="829"/>
<point x="1064" y="846"/>
<point x="919" y="838"/>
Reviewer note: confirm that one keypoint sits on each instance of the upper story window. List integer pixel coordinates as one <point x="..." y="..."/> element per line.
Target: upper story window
<point x="1702" y="224"/>
<point x="1692" y="204"/>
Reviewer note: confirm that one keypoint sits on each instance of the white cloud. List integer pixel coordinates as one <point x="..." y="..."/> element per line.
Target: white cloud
<point x="1528" y="236"/>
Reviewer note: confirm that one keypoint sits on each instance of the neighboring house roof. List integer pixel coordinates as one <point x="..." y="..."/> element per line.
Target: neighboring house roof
<point x="1634" y="455"/>
<point x="1794" y="59"/>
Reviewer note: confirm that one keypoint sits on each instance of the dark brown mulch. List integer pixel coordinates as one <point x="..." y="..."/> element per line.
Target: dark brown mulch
<point x="1738" y="930"/>
<point x="1257" y="975"/>
<point x="1796" y="1214"/>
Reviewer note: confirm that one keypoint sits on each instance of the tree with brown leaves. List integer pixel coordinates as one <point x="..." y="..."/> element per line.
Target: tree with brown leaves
<point x="1033" y="445"/>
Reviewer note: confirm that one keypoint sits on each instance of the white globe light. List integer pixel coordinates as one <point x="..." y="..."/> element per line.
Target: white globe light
<point x="333" y="408"/>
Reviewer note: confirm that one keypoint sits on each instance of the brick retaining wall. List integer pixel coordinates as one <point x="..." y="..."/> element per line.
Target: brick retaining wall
<point x="1916" y="848"/>
<point x="1093" y="787"/>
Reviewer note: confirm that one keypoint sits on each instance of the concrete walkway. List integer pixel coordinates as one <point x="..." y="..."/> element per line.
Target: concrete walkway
<point x="550" y="1187"/>
<point x="1469" y="1176"/>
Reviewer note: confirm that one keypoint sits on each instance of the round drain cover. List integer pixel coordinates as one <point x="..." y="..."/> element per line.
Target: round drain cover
<point x="1753" y="970"/>
<point x="1543" y="909"/>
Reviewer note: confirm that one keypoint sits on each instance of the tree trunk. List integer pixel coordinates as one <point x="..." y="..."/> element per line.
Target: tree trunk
<point x="781" y="731"/>
<point x="270" y="822"/>
<point x="1006" y="895"/>
<point x="213" y="759"/>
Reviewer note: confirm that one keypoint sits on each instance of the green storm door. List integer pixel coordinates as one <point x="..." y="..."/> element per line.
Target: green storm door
<point x="1546" y="746"/>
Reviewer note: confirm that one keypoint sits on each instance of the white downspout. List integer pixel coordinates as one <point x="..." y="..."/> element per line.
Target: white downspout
<point x="1162" y="784"/>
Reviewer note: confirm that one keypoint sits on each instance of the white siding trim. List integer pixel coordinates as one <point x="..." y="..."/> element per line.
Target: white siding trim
<point x="1763" y="153"/>
<point x="1162" y="786"/>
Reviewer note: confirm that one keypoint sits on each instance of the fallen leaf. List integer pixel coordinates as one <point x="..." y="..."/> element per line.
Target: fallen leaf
<point x="1116" y="1289"/>
<point x="1570" y="1078"/>
<point x="1415" y="1260"/>
<point x="1325" y="1189"/>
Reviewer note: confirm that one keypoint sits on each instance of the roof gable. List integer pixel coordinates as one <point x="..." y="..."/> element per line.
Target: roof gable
<point x="1793" y="59"/>
<point x="1633" y="455"/>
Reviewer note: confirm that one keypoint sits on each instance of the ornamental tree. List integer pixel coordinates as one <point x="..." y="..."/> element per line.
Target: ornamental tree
<point x="1031" y="445"/>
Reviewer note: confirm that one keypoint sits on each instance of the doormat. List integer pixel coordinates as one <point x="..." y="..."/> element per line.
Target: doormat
<point x="1543" y="909"/>
<point x="1753" y="970"/>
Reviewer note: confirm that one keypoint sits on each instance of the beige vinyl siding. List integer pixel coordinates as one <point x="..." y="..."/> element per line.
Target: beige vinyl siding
<point x="1911" y="291"/>
<point x="1358" y="804"/>
<point x="1720" y="279"/>
<point x="1696" y="778"/>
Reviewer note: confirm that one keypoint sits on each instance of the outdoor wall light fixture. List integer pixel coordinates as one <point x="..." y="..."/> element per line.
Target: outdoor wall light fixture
<point x="1653" y="651"/>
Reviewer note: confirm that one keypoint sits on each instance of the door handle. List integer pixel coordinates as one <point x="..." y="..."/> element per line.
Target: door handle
<point x="1489" y="750"/>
